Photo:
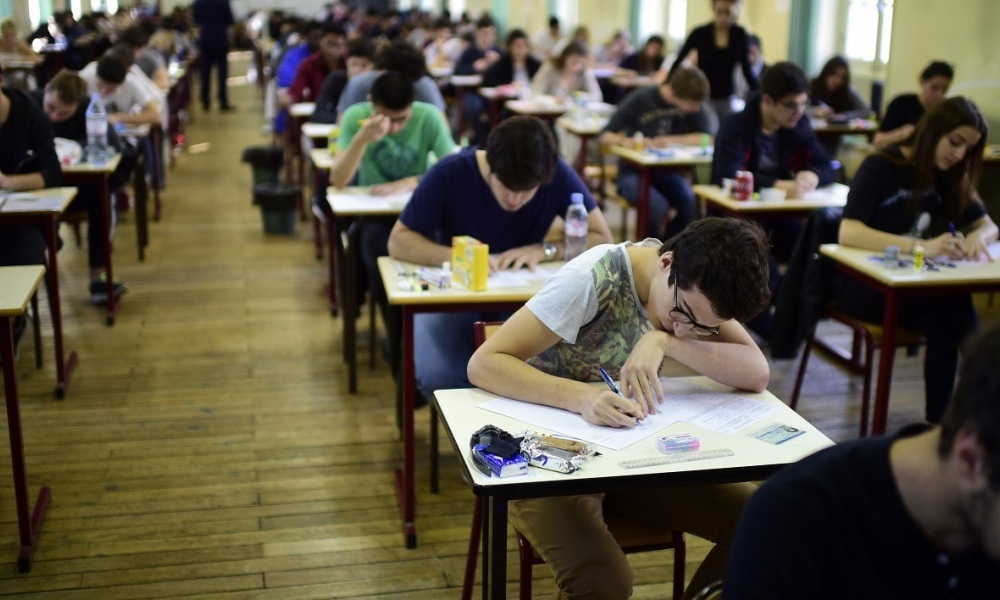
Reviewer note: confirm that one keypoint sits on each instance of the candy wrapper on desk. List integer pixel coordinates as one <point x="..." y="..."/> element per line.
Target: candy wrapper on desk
<point x="560" y="454"/>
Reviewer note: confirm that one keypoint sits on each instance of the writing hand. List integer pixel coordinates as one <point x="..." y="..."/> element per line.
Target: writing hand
<point x="976" y="246"/>
<point x="946" y="244"/>
<point x="606" y="408"/>
<point x="640" y="374"/>
<point x="807" y="181"/>
<point x="525" y="256"/>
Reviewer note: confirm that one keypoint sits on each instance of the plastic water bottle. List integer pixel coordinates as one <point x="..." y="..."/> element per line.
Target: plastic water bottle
<point x="97" y="151"/>
<point x="576" y="227"/>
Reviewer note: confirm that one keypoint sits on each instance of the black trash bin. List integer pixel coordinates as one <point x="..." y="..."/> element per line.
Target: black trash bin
<point x="278" y="202"/>
<point x="266" y="162"/>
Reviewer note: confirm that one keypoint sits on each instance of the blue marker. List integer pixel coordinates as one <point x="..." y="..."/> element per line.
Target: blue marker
<point x="951" y="228"/>
<point x="611" y="383"/>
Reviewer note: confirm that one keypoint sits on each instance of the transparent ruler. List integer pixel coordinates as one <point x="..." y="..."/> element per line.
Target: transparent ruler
<point x="675" y="457"/>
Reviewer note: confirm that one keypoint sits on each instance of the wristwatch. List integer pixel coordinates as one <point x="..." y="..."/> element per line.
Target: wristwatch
<point x="550" y="251"/>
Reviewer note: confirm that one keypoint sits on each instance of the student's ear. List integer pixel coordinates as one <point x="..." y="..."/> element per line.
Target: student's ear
<point x="969" y="460"/>
<point x="666" y="259"/>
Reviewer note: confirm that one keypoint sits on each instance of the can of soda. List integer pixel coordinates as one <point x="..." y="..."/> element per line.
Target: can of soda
<point x="743" y="186"/>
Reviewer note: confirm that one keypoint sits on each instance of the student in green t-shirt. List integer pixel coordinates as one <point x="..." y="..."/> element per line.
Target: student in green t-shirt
<point x="386" y="141"/>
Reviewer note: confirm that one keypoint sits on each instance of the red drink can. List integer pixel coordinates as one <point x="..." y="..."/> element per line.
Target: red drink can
<point x="743" y="186"/>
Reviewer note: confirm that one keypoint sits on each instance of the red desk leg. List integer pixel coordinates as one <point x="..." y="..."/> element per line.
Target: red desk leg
<point x="29" y="526"/>
<point x="581" y="156"/>
<point x="889" y="321"/>
<point x="334" y="245"/>
<point x="404" y="477"/>
<point x="64" y="368"/>
<point x="106" y="218"/>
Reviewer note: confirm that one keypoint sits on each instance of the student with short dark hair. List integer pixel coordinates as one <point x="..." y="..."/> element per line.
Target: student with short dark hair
<point x="125" y="98"/>
<point x="507" y="195"/>
<point x="360" y="58"/>
<point x="313" y="69"/>
<point x="671" y="113"/>
<point x="400" y="56"/>
<point x="915" y="515"/>
<point x="628" y="307"/>
<point x="772" y="140"/>
<point x="905" y="110"/>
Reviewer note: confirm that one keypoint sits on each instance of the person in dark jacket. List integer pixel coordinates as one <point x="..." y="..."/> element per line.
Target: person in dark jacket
<point x="516" y="65"/>
<point x="360" y="59"/>
<point x="214" y="18"/>
<point x="27" y="161"/>
<point x="772" y="140"/>
<point x="720" y="45"/>
<point x="64" y="101"/>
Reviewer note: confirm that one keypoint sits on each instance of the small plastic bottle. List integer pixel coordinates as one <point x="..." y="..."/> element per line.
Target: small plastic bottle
<point x="97" y="151"/>
<point x="445" y="275"/>
<point x="575" y="235"/>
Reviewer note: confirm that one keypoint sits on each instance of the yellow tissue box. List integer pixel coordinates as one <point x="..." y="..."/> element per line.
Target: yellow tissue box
<point x="470" y="262"/>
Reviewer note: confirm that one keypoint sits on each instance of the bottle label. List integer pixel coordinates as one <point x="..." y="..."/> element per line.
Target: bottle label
<point x="97" y="127"/>
<point x="576" y="229"/>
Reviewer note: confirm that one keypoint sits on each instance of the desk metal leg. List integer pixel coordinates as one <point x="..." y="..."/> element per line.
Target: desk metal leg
<point x="29" y="526"/>
<point x="642" y="209"/>
<point x="495" y="548"/>
<point x="889" y="320"/>
<point x="404" y="477"/>
<point x="581" y="156"/>
<point x="64" y="368"/>
<point x="106" y="219"/>
<point x="156" y="142"/>
<point x="336" y="253"/>
<point x="141" y="205"/>
<point x="350" y="308"/>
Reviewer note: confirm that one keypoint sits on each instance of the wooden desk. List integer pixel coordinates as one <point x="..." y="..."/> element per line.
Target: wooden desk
<point x="351" y="207"/>
<point x="830" y="196"/>
<point x="88" y="173"/>
<point x="497" y="96"/>
<point x="752" y="460"/>
<point x="48" y="220"/>
<point x="455" y="299"/>
<point x="834" y="131"/>
<point x="646" y="162"/>
<point x="17" y="286"/>
<point x="897" y="284"/>
<point x="547" y="111"/>
<point x="298" y="114"/>
<point x="585" y="129"/>
<point x="320" y="162"/>
<point x="991" y="154"/>
<point x="320" y="133"/>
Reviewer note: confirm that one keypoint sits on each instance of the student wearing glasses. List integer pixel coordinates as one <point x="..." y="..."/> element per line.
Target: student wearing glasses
<point x="772" y="140"/>
<point x="627" y="308"/>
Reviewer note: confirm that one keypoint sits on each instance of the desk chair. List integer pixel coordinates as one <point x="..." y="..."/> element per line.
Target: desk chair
<point x="712" y="591"/>
<point x="632" y="536"/>
<point x="868" y="334"/>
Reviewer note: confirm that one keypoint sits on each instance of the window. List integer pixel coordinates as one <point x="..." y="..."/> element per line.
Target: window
<point x="868" y="30"/>
<point x="651" y="19"/>
<point x="457" y="7"/>
<point x="430" y="6"/>
<point x="677" y="20"/>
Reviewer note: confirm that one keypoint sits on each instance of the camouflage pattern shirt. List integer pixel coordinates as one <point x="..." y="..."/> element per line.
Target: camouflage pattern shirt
<point x="592" y="304"/>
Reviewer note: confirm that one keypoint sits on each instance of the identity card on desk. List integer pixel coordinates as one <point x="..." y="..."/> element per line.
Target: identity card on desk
<point x="29" y="202"/>
<point x="716" y="411"/>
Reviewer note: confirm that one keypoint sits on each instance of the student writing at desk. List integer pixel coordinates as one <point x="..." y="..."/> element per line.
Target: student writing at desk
<point x="27" y="161"/>
<point x="913" y="516"/>
<point x="628" y="307"/>
<point x="772" y="140"/>
<point x="507" y="195"/>
<point x="914" y="194"/>
<point x="64" y="101"/>
<point x="905" y="110"/>
<point x="671" y="113"/>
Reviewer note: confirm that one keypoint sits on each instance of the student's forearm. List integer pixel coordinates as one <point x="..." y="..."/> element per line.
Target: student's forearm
<point x="856" y="234"/>
<point x="346" y="163"/>
<point x="413" y="247"/>
<point x="886" y="138"/>
<point x="27" y="181"/>
<point x="739" y="364"/>
<point x="511" y="377"/>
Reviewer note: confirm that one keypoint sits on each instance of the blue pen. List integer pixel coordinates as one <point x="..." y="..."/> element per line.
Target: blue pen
<point x="611" y="383"/>
<point x="951" y="228"/>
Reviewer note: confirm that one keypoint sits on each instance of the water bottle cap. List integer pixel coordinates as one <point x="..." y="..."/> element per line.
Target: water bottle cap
<point x="576" y="198"/>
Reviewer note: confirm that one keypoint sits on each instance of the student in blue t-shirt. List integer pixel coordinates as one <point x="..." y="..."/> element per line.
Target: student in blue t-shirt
<point x="506" y="195"/>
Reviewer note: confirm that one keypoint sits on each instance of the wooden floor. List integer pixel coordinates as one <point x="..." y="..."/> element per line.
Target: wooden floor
<point x="208" y="447"/>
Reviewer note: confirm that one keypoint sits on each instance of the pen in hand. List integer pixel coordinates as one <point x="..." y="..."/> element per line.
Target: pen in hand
<point x="614" y="388"/>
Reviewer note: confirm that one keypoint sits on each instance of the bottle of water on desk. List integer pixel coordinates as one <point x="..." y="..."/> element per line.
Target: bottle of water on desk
<point x="97" y="151"/>
<point x="576" y="227"/>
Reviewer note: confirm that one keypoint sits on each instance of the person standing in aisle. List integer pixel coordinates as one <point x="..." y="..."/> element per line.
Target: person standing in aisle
<point x="214" y="18"/>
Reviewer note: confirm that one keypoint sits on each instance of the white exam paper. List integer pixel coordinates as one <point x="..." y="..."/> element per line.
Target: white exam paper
<point x="716" y="411"/>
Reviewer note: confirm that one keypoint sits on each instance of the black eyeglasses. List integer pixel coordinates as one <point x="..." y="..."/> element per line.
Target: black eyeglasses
<point x="687" y="319"/>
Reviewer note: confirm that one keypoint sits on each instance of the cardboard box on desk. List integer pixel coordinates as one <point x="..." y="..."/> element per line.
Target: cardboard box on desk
<point x="470" y="262"/>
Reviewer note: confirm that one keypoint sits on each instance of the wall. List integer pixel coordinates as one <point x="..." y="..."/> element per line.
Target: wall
<point x="769" y="19"/>
<point x="965" y="38"/>
<point x="603" y="19"/>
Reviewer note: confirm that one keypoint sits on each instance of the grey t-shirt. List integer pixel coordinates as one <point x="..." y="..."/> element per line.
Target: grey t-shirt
<point x="359" y="86"/>
<point x="592" y="304"/>
<point x="149" y="61"/>
<point x="645" y="110"/>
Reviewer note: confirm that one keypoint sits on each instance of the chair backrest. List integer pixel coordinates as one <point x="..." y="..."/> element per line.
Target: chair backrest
<point x="712" y="591"/>
<point x="878" y="93"/>
<point x="484" y="329"/>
